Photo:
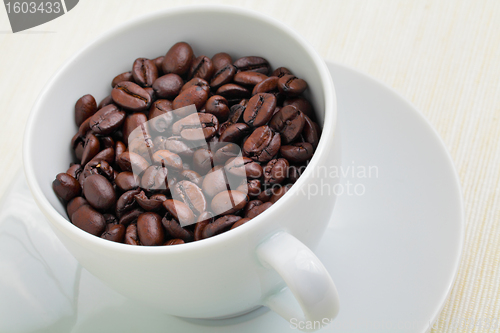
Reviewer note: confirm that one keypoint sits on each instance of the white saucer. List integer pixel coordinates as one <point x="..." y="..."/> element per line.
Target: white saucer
<point x="393" y="252"/>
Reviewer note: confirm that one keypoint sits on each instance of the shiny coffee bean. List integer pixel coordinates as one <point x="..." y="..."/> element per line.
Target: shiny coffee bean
<point x="310" y="132"/>
<point x="297" y="152"/>
<point x="203" y="220"/>
<point x="194" y="95"/>
<point x="198" y="82"/>
<point x="180" y="211"/>
<point x="269" y="85"/>
<point x="289" y="122"/>
<point x="221" y="60"/>
<point x="302" y="104"/>
<point x="243" y="167"/>
<point x="228" y="202"/>
<point x="220" y="225"/>
<point x="129" y="161"/>
<point x="235" y="133"/>
<point x="174" y="241"/>
<point x="217" y="105"/>
<point x="215" y="182"/>
<point x="144" y="72"/>
<point x="168" y="86"/>
<point x="203" y="161"/>
<point x="97" y="167"/>
<point x="257" y="210"/>
<point x="155" y="178"/>
<point x="85" y="107"/>
<point x="99" y="192"/>
<point x="127" y="76"/>
<point x="196" y="126"/>
<point x="231" y="91"/>
<point x="66" y="187"/>
<point x="105" y="101"/>
<point x="259" y="109"/>
<point x="131" y="236"/>
<point x="178" y="59"/>
<point x="131" y="122"/>
<point x="131" y="96"/>
<point x="127" y="181"/>
<point x="159" y="64"/>
<point x="131" y="216"/>
<point x="176" y="231"/>
<point x="202" y="67"/>
<point x="126" y="202"/>
<point x="77" y="144"/>
<point x="226" y="152"/>
<point x="240" y="222"/>
<point x="74" y="204"/>
<point x="252" y="188"/>
<point x="90" y="148"/>
<point x="153" y="203"/>
<point x="253" y="64"/>
<point x="291" y="85"/>
<point x="249" y="78"/>
<point x="191" y="195"/>
<point x="119" y="149"/>
<point x="236" y="112"/>
<point x="107" y="120"/>
<point x="168" y="159"/>
<point x="174" y="144"/>
<point x="106" y="142"/>
<point x="262" y="145"/>
<point x="160" y="116"/>
<point x="222" y="76"/>
<point x="150" y="229"/>
<point x="84" y="128"/>
<point x="74" y="170"/>
<point x="89" y="220"/>
<point x="276" y="171"/>
<point x="151" y="93"/>
<point x="265" y="195"/>
<point x="281" y="71"/>
<point x="114" y="232"/>
<point x="107" y="155"/>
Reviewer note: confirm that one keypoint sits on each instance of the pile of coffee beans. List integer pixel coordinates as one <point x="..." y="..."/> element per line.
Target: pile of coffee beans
<point x="185" y="148"/>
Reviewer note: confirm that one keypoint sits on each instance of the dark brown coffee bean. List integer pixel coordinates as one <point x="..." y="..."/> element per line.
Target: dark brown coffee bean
<point x="160" y="116"/>
<point x="176" y="231"/>
<point x="233" y="91"/>
<point x="289" y="122"/>
<point x="198" y="82"/>
<point x="89" y="220"/>
<point x="226" y="152"/>
<point x="294" y="172"/>
<point x="131" y="216"/>
<point x="217" y="105"/>
<point x="107" y="120"/>
<point x="106" y="142"/>
<point x="174" y="241"/>
<point x="99" y="192"/>
<point x="191" y="195"/>
<point x="119" y="149"/>
<point x="90" y="148"/>
<point x="249" y="78"/>
<point x="168" y="86"/>
<point x="192" y="176"/>
<point x="126" y="202"/>
<point x="84" y="128"/>
<point x="220" y="225"/>
<point x="131" y="236"/>
<point x="262" y="145"/>
<point x="114" y="232"/>
<point x="311" y="133"/>
<point x="252" y="188"/>
<point x="302" y="104"/>
<point x="276" y="171"/>
<point x="74" y="170"/>
<point x="291" y="85"/>
<point x="253" y="64"/>
<point x="279" y="192"/>
<point x="105" y="101"/>
<point x="151" y="93"/>
<point x="159" y="64"/>
<point x="144" y="72"/>
<point x="297" y="152"/>
<point x="223" y="76"/>
<point x="215" y="182"/>
<point x="243" y="167"/>
<point x="221" y="60"/>
<point x="181" y="212"/>
<point x="168" y="159"/>
<point x="178" y="59"/>
<point x="259" y="109"/>
<point x="202" y="221"/>
<point x="66" y="187"/>
<point x="155" y="178"/>
<point x="235" y="133"/>
<point x="97" y="167"/>
<point x="196" y="126"/>
<point x="228" y="202"/>
<point x="149" y="229"/>
<point x="127" y="181"/>
<point x="129" y="161"/>
<point x="77" y="144"/>
<point x="85" y="107"/>
<point x="268" y="85"/>
<point x="240" y="222"/>
<point x="202" y="67"/>
<point x="131" y="96"/>
<point x="193" y="95"/>
<point x="74" y="204"/>
<point x="265" y="195"/>
<point x="150" y="204"/>
<point x="281" y="71"/>
<point x="257" y="210"/>
<point x="131" y="122"/>
<point x="127" y="76"/>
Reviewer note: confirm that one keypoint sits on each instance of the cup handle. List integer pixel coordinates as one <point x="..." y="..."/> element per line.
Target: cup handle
<point x="310" y="298"/>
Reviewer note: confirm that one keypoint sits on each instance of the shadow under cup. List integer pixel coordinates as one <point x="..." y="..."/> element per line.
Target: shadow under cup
<point x="216" y="277"/>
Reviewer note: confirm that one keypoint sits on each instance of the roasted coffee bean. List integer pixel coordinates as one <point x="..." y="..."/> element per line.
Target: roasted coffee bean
<point x="196" y="126"/>
<point x="74" y="204"/>
<point x="202" y="67"/>
<point x="85" y="107"/>
<point x="252" y="188"/>
<point x="127" y="76"/>
<point x="160" y="116"/>
<point x="294" y="172"/>
<point x="90" y="148"/>
<point x="99" y="192"/>
<point x="302" y="104"/>
<point x="310" y="132"/>
<point x="250" y="205"/>
<point x="168" y="86"/>
<point x="202" y="221"/>
<point x="131" y="236"/>
<point x="276" y="171"/>
<point x="144" y="72"/>
<point x="203" y="160"/>
<point x="159" y="64"/>
<point x="105" y="101"/>
<point x="262" y="145"/>
<point x="194" y="95"/>
<point x="176" y="231"/>
<point x="297" y="152"/>
<point x="114" y="232"/>
<point x="97" y="167"/>
<point x="126" y="202"/>
<point x="84" y="128"/>
<point x="150" y="204"/>
<point x="223" y="76"/>
<point x="291" y="85"/>
<point x="289" y="122"/>
<point x="119" y="149"/>
<point x="249" y="78"/>
<point x="178" y="59"/>
<point x="129" y="161"/>
<point x="265" y="195"/>
<point x="126" y="181"/>
<point x="277" y="194"/>
<point x="110" y="219"/>
<point x="281" y="71"/>
<point x="175" y="145"/>
<point x="155" y="178"/>
<point x="89" y="220"/>
<point x="243" y="167"/>
<point x="240" y="222"/>
<point x="191" y="195"/>
<point x="217" y="105"/>
<point x="231" y="91"/>
<point x="192" y="176"/>
<point x="151" y="93"/>
<point x="253" y="64"/>
<point x="226" y="152"/>
<point x="259" y="109"/>
<point x="150" y="229"/>
<point x="221" y="60"/>
<point x="228" y="202"/>
<point x="168" y="159"/>
<point x="222" y="224"/>
<point x="131" y="216"/>
<point x="215" y="181"/>
<point x="180" y="211"/>
<point x="160" y="107"/>
<point x="74" y="170"/>
<point x="198" y="82"/>
<point x="268" y="85"/>
<point x="131" y="96"/>
<point x="131" y="122"/>
<point x="235" y="133"/>
<point x="174" y="241"/>
<point x="257" y="210"/>
<point x="107" y="120"/>
<point x="66" y="187"/>
<point x="106" y="142"/>
<point x="77" y="144"/>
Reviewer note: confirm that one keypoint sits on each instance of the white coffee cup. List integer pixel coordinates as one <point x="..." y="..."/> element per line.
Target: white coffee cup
<point x="266" y="261"/>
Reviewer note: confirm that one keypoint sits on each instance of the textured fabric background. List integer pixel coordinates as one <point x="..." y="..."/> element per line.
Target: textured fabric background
<point x="443" y="55"/>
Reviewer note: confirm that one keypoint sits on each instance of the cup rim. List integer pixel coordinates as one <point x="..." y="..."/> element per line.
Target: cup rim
<point x="62" y="224"/>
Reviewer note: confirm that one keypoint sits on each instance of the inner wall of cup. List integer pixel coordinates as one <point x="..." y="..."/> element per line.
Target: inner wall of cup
<point x="91" y="72"/>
